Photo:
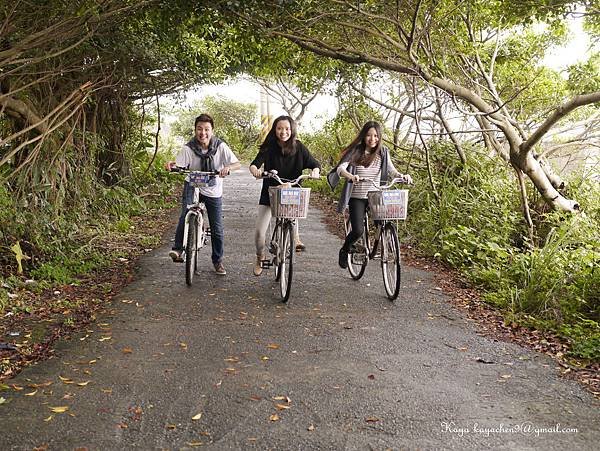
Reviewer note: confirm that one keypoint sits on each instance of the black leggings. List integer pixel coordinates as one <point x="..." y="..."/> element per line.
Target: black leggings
<point x="357" y="208"/>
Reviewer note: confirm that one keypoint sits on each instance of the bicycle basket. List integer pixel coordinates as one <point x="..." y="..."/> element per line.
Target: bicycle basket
<point x="388" y="204"/>
<point x="289" y="202"/>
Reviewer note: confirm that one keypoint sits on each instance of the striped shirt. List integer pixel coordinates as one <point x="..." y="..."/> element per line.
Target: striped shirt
<point x="360" y="189"/>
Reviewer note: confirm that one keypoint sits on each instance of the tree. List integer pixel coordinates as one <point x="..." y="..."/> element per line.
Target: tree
<point x="236" y="123"/>
<point x="459" y="48"/>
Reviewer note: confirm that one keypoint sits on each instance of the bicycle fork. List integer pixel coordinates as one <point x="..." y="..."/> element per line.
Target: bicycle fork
<point x="203" y="231"/>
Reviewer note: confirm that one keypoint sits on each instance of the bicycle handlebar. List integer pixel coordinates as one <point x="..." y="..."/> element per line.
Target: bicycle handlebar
<point x="179" y="170"/>
<point x="273" y="174"/>
<point x="389" y="185"/>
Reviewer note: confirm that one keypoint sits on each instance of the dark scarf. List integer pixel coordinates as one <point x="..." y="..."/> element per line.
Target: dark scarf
<point x="206" y="159"/>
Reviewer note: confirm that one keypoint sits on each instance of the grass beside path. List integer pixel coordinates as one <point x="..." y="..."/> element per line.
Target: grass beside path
<point x="39" y="315"/>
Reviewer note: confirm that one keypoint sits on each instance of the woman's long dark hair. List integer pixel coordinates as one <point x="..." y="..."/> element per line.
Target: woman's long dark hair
<point x="288" y="147"/>
<point x="360" y="158"/>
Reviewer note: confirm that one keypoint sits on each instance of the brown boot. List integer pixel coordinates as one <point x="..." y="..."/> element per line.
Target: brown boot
<point x="258" y="265"/>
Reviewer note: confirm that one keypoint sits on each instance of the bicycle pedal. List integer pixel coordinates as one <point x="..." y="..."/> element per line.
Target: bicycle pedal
<point x="266" y="264"/>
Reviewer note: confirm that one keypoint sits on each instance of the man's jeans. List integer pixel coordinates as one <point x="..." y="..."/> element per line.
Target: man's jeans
<point x="215" y="219"/>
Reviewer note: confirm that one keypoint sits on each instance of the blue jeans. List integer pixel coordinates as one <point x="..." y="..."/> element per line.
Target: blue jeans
<point x="214" y="208"/>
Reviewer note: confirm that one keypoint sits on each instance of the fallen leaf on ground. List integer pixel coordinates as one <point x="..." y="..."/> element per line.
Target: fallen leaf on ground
<point x="193" y="444"/>
<point x="197" y="417"/>
<point x="311" y="428"/>
<point x="127" y="350"/>
<point x="371" y="419"/>
<point x="282" y="406"/>
<point x="273" y="346"/>
<point x="31" y="393"/>
<point x="44" y="384"/>
<point x="59" y="409"/>
<point x="274" y="417"/>
<point x="83" y="384"/>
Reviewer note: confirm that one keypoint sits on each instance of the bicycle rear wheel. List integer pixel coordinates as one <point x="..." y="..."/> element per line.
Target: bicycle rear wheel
<point x="390" y="261"/>
<point x="286" y="269"/>
<point x="359" y="256"/>
<point x="191" y="249"/>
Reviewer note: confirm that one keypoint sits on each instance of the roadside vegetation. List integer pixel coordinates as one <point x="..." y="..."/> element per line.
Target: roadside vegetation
<point x="475" y="225"/>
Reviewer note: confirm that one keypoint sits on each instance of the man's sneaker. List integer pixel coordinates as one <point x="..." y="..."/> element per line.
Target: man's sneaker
<point x="220" y="269"/>
<point x="300" y="246"/>
<point x="343" y="258"/>
<point x="176" y="256"/>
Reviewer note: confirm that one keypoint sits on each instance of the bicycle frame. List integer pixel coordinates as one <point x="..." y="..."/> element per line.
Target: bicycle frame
<point x="198" y="209"/>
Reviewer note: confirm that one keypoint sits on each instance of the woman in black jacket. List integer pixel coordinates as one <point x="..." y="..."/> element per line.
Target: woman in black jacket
<point x="286" y="154"/>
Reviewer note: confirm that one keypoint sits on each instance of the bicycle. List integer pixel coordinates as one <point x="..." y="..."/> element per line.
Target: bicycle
<point x="287" y="205"/>
<point x="196" y="231"/>
<point x="385" y="205"/>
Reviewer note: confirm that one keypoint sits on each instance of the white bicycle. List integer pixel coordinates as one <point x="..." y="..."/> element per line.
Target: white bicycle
<point x="196" y="231"/>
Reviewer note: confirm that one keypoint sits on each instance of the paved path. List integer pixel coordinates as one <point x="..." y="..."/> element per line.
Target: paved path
<point x="340" y="367"/>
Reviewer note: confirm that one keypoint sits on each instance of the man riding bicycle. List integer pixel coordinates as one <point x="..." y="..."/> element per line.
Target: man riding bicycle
<point x="205" y="152"/>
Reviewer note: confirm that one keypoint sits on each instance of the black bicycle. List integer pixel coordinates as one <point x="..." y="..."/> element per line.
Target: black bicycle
<point x="385" y="206"/>
<point x="288" y="204"/>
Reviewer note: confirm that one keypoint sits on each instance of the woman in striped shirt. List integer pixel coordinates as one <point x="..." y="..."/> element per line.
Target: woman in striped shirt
<point x="365" y="157"/>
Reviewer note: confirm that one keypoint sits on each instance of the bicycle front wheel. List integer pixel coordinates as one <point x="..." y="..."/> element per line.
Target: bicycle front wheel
<point x="286" y="269"/>
<point x="191" y="249"/>
<point x="390" y="261"/>
<point x="359" y="256"/>
<point x="275" y="248"/>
